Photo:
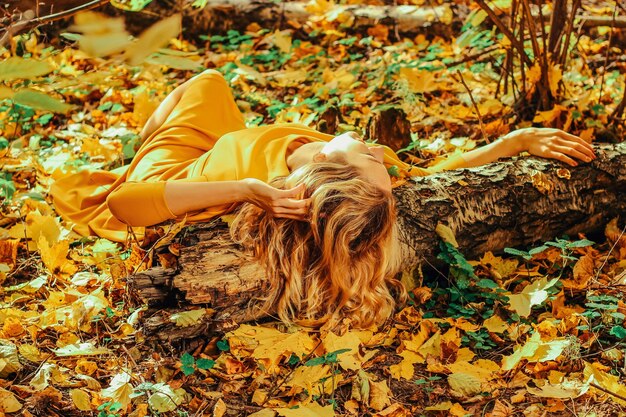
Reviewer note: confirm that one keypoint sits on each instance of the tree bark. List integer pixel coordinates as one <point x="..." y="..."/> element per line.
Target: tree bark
<point x="512" y="203"/>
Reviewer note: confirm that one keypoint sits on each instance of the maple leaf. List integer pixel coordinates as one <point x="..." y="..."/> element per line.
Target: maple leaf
<point x="120" y="389"/>
<point x="532" y="295"/>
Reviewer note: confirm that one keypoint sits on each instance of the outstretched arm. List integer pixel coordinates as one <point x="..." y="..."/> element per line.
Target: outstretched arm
<point x="544" y="142"/>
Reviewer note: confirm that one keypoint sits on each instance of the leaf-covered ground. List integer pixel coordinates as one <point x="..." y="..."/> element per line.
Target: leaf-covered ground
<point x="536" y="331"/>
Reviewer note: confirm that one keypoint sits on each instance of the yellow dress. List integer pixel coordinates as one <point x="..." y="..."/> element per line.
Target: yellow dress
<point x="203" y="139"/>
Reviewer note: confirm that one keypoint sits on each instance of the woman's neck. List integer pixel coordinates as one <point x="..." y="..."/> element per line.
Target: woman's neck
<point x="302" y="153"/>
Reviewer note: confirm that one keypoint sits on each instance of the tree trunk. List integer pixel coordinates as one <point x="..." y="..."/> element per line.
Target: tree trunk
<point x="517" y="202"/>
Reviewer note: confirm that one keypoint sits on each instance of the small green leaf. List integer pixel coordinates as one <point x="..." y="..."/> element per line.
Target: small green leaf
<point x="187" y="359"/>
<point x="394" y="171"/>
<point x="187" y="370"/>
<point x="205" y="364"/>
<point x="618" y="331"/>
<point x="7" y="186"/>
<point x="487" y="283"/>
<point x="315" y="361"/>
<point x="223" y="345"/>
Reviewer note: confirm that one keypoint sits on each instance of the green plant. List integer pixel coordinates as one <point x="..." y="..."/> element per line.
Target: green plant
<point x="109" y="409"/>
<point x="190" y="364"/>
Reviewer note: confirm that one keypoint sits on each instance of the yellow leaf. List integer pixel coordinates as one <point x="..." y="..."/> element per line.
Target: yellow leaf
<point x="219" y="409"/>
<point x="309" y="410"/>
<point x="266" y="412"/>
<point x="81" y="349"/>
<point x="282" y="40"/>
<point x="30" y="352"/>
<point x="569" y="388"/>
<point x="40" y="101"/>
<point x="446" y="234"/>
<point x="38" y="225"/>
<point x="533" y="294"/>
<point x="495" y="324"/>
<point x="405" y="368"/>
<point x="348" y="360"/>
<point x="535" y="350"/>
<point x="12" y="327"/>
<point x="420" y="81"/>
<point x="555" y="74"/>
<point x="120" y="389"/>
<point x="431" y="347"/>
<point x="484" y="370"/>
<point x="308" y="378"/>
<point x="164" y="399"/>
<point x="8" y="402"/>
<point x="81" y="399"/>
<point x="96" y="23"/>
<point x="54" y="256"/>
<point x="379" y="395"/>
<point x="607" y="381"/>
<point x="187" y="318"/>
<point x="464" y="385"/>
<point x="549" y="116"/>
<point x="86" y="367"/>
<point x="269" y="344"/>
<point x="9" y="361"/>
<point x="153" y="38"/>
<point x="15" y="67"/>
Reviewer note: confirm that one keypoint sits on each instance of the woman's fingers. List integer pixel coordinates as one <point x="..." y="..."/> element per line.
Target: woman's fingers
<point x="577" y="143"/>
<point x="296" y="192"/>
<point x="554" y="154"/>
<point x="573" y="152"/>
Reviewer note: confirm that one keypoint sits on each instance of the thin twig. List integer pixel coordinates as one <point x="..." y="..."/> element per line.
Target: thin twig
<point x="608" y="50"/>
<point x="24" y="24"/>
<point x="596" y="386"/>
<point x="480" y="118"/>
<point x="506" y="31"/>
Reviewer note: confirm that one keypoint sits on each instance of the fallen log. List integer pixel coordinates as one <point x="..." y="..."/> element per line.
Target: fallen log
<point x="516" y="202"/>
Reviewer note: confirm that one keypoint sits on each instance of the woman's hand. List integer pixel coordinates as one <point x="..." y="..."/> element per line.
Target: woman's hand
<point x="551" y="143"/>
<point x="280" y="203"/>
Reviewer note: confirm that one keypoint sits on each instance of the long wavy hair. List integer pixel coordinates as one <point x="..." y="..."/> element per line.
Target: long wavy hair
<point x="341" y="263"/>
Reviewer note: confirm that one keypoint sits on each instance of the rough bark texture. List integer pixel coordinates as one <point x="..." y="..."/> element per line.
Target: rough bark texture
<point x="500" y="205"/>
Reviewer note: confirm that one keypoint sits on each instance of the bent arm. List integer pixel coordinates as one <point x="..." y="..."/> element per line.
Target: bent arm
<point x="149" y="203"/>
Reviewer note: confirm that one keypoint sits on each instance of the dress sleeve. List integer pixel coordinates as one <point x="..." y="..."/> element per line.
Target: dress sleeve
<point x="140" y="204"/>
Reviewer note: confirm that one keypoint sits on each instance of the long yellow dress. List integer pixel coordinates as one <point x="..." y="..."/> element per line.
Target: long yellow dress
<point x="203" y="139"/>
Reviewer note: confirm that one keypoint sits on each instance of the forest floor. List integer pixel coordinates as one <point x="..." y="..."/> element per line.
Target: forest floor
<point x="533" y="331"/>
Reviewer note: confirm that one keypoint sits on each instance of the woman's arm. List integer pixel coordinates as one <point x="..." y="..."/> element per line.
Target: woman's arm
<point x="544" y="142"/>
<point x="148" y="203"/>
<point x="184" y="197"/>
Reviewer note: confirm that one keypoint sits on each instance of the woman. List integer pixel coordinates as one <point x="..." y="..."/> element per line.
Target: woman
<point x="317" y="210"/>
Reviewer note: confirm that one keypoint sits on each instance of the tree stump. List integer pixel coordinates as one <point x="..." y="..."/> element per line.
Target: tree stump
<point x="390" y="127"/>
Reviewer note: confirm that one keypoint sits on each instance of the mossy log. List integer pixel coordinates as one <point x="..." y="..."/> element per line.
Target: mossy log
<point x="512" y="203"/>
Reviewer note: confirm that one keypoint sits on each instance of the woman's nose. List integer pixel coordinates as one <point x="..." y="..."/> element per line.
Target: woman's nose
<point x="378" y="152"/>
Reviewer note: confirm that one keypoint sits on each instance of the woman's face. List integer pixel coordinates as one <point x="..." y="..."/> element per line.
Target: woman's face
<point x="367" y="159"/>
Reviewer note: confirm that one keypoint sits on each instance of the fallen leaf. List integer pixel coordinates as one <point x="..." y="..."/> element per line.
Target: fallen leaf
<point x="8" y="402"/>
<point x="81" y="399"/>
<point x="532" y="295"/>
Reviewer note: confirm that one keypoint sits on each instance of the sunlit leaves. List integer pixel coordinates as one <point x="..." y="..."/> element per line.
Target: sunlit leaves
<point x="40" y="101"/>
<point x="16" y="67"/>
<point x="153" y="38"/>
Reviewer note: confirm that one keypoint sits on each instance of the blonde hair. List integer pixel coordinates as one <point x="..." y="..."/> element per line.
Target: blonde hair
<point x="341" y="263"/>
